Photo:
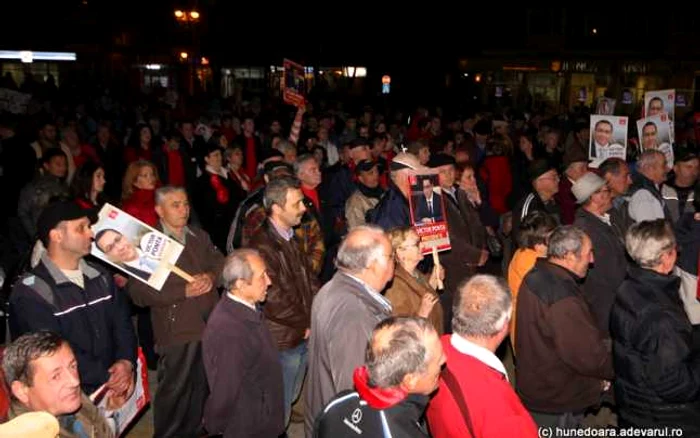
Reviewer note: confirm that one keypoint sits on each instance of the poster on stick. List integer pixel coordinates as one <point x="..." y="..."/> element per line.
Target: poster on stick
<point x="428" y="217"/>
<point x="608" y="138"/>
<point x="293" y="84"/>
<point x="136" y="249"/>
<point x="655" y="133"/>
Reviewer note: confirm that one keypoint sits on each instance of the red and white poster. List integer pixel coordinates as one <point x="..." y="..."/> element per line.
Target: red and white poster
<point x="428" y="216"/>
<point x="121" y="413"/>
<point x="293" y="83"/>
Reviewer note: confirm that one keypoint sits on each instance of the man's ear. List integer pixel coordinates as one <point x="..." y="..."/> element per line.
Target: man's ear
<point x="55" y="235"/>
<point x="409" y="382"/>
<point x="20" y="391"/>
<point x="159" y="211"/>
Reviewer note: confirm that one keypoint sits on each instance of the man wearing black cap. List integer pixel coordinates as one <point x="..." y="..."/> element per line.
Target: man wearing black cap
<point x="545" y="184"/>
<point x="367" y="195"/>
<point x="78" y="300"/>
<point x="677" y="191"/>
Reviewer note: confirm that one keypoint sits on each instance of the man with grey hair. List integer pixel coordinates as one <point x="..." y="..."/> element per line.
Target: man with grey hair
<point x="657" y="365"/>
<point x="402" y="364"/>
<point x="607" y="237"/>
<point x="344" y="313"/>
<point x="307" y="169"/>
<point x="240" y="355"/>
<point x="564" y="360"/>
<point x="480" y="322"/>
<point x="646" y="202"/>
<point x="179" y="312"/>
<point x="288" y="150"/>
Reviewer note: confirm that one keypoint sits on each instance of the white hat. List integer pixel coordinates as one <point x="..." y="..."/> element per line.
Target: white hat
<point x="586" y="186"/>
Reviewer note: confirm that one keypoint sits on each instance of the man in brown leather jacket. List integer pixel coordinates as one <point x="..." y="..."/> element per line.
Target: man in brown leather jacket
<point x="288" y="305"/>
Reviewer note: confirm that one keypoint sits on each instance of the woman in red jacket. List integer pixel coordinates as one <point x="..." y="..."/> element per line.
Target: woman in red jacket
<point x="139" y="191"/>
<point x="140" y="145"/>
<point x="496" y="174"/>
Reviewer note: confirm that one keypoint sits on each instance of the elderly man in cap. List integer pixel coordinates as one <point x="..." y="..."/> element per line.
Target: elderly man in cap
<point x="78" y="300"/>
<point x="367" y="195"/>
<point x="402" y="365"/>
<point x="575" y="165"/>
<point x="545" y="184"/>
<point x="392" y="210"/>
<point x="607" y="237"/>
<point x="343" y="314"/>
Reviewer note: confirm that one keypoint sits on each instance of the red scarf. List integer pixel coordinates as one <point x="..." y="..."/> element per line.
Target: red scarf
<point x="377" y="398"/>
<point x="219" y="188"/>
<point x="251" y="163"/>
<point x="176" y="171"/>
<point x="313" y="195"/>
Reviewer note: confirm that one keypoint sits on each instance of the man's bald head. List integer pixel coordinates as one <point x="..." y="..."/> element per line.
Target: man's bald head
<point x="366" y="251"/>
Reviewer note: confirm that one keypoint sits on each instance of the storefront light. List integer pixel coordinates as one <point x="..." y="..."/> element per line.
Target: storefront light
<point x="28" y="56"/>
<point x="153" y="66"/>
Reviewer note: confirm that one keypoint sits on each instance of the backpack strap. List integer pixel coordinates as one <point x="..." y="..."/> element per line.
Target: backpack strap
<point x="457" y="394"/>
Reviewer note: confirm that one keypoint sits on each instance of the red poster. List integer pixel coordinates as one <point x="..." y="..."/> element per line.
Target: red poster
<point x="293" y="83"/>
<point x="428" y="216"/>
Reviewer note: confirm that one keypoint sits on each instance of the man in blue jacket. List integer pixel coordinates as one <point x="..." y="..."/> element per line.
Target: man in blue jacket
<point x="392" y="210"/>
<point x="78" y="300"/>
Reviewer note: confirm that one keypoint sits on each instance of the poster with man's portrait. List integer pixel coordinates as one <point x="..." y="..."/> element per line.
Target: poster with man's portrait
<point x="293" y="83"/>
<point x="608" y="138"/>
<point x="133" y="247"/>
<point x="428" y="217"/>
<point x="655" y="133"/>
<point x="660" y="102"/>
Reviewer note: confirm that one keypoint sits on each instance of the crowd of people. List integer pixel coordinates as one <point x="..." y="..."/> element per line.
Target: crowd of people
<point x="310" y="298"/>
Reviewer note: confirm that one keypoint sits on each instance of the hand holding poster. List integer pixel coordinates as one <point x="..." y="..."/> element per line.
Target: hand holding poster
<point x="293" y="83"/>
<point x="655" y="133"/>
<point x="134" y="248"/>
<point x="121" y="413"/>
<point x="608" y="138"/>
<point x="428" y="213"/>
<point x="660" y="102"/>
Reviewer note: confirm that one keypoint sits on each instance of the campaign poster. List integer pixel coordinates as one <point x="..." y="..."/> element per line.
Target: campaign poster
<point x="293" y="83"/>
<point x="606" y="106"/>
<point x="655" y="133"/>
<point x="608" y="138"/>
<point x="120" y="414"/>
<point x="660" y="101"/>
<point x="428" y="217"/>
<point x="133" y="247"/>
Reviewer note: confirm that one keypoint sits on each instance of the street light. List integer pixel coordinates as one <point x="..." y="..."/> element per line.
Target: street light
<point x="184" y="55"/>
<point x="179" y="14"/>
<point x="194" y="15"/>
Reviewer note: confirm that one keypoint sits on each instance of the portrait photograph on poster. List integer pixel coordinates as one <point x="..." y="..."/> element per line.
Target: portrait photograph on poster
<point x="427" y="207"/>
<point x="660" y="102"/>
<point x="293" y="83"/>
<point x="136" y="249"/>
<point x="608" y="137"/>
<point x="655" y="133"/>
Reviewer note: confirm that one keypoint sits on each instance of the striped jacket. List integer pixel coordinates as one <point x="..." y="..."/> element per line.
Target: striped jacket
<point x="95" y="320"/>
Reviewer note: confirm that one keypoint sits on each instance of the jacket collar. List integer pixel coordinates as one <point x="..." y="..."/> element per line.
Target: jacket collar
<point x="667" y="283"/>
<point x="59" y="277"/>
<point x="376" y="398"/>
<point x="557" y="270"/>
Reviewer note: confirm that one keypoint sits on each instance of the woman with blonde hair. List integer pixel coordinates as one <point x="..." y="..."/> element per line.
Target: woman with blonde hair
<point x="412" y="293"/>
<point x="139" y="191"/>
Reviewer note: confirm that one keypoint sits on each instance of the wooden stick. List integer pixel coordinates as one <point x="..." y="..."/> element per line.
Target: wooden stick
<point x="436" y="261"/>
<point x="182" y="274"/>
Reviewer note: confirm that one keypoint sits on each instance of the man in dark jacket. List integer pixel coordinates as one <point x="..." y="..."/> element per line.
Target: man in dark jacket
<point x="657" y="369"/>
<point x="646" y="202"/>
<point x="392" y="210"/>
<point x="288" y="305"/>
<point x="76" y="299"/>
<point x="179" y="314"/>
<point x="240" y="356"/>
<point x="545" y="184"/>
<point x="402" y="365"/>
<point x="606" y="235"/>
<point x="564" y="360"/>
<point x="467" y="235"/>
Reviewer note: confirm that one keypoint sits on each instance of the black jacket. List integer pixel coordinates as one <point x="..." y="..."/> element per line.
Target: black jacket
<point x="609" y="268"/>
<point x="216" y="216"/>
<point x="244" y="374"/>
<point x="528" y="204"/>
<point x="401" y="420"/>
<point x="688" y="237"/>
<point x="392" y="210"/>
<point x="249" y="204"/>
<point x="95" y="321"/>
<point x="658" y="373"/>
